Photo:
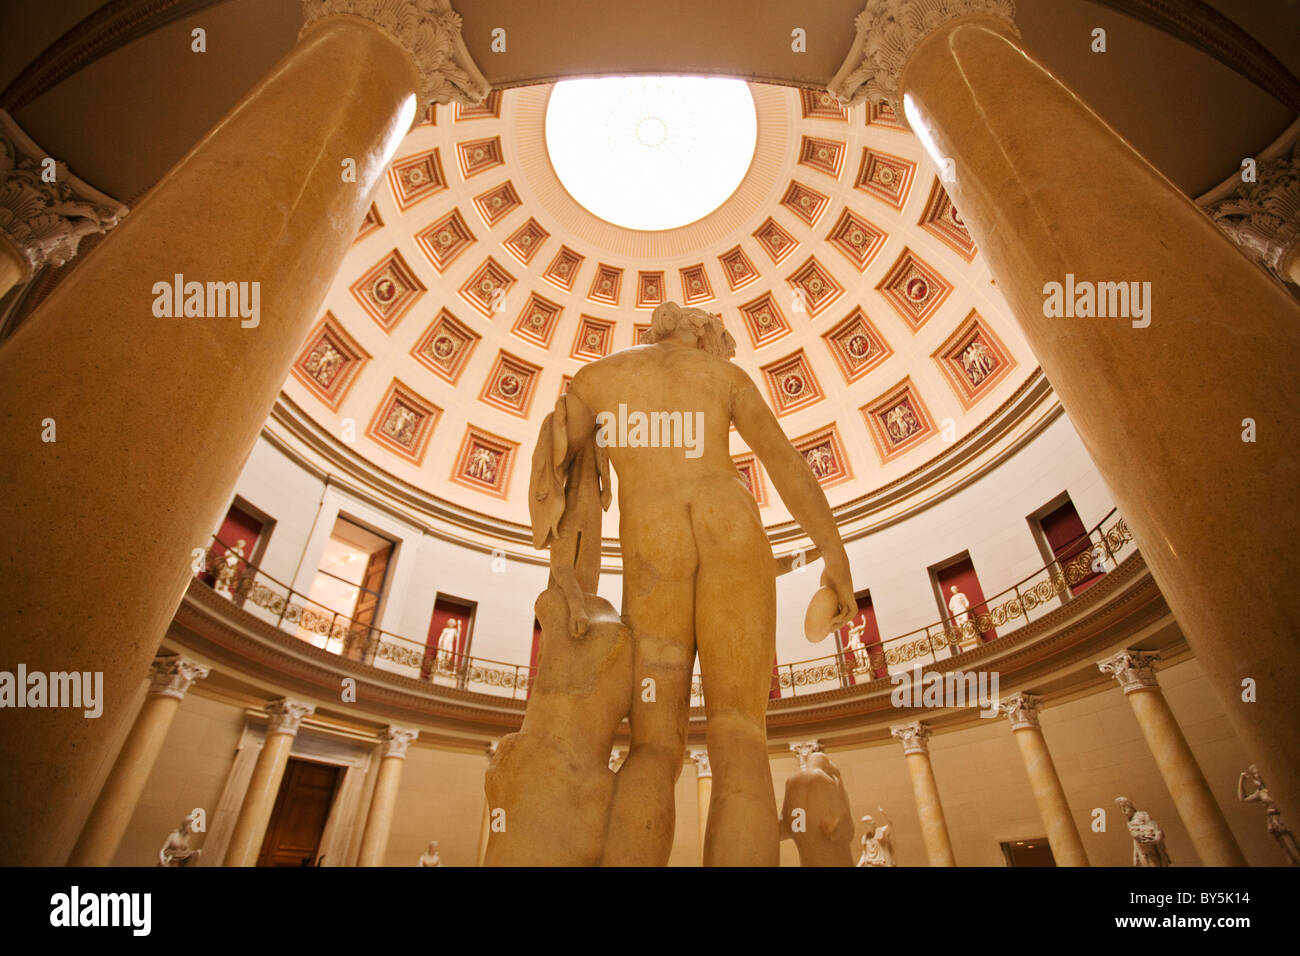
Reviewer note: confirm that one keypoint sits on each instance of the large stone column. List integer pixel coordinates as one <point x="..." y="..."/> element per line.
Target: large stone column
<point x="45" y="211"/>
<point x="934" y="828"/>
<point x="1051" y="194"/>
<point x="284" y="717"/>
<point x="1206" y="825"/>
<point x="154" y="415"/>
<point x="170" y="679"/>
<point x="379" y="821"/>
<point x="1062" y="834"/>
<point x="703" y="792"/>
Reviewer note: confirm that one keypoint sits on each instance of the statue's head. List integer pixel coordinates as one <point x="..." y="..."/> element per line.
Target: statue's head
<point x="1125" y="805"/>
<point x="672" y="321"/>
<point x="954" y="589"/>
<point x="869" y="822"/>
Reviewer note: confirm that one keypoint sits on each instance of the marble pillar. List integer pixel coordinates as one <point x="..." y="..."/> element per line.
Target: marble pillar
<point x="379" y="820"/>
<point x="170" y="679"/>
<point x="283" y="718"/>
<point x="1160" y="393"/>
<point x="1062" y="834"/>
<point x="934" y="827"/>
<point x="156" y="415"/>
<point x="1205" y="822"/>
<point x="703" y="792"/>
<point x="45" y="211"/>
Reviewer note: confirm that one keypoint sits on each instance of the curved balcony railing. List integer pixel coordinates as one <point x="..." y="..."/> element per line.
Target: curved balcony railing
<point x="297" y="614"/>
<point x="1088" y="558"/>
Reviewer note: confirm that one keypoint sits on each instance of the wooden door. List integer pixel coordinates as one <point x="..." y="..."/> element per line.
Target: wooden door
<point x="302" y="807"/>
<point x="363" y="617"/>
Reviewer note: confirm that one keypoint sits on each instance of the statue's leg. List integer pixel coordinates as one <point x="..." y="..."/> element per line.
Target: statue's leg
<point x="658" y="597"/>
<point x="735" y="624"/>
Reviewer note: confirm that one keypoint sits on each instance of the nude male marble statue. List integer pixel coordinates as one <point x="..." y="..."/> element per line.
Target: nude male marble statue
<point x="816" y="814"/>
<point x="698" y="577"/>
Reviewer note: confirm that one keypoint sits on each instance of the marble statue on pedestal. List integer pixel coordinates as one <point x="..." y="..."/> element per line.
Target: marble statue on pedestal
<point x="228" y="567"/>
<point x="1276" y="826"/>
<point x="1148" y="838"/>
<point x="448" y="641"/>
<point x="431" y="856"/>
<point x="816" y="815"/>
<point x="176" y="850"/>
<point x="877" y="841"/>
<point x="959" y="607"/>
<point x="698" y="576"/>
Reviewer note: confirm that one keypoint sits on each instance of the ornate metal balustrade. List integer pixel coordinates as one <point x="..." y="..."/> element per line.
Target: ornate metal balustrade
<point x="1096" y="554"/>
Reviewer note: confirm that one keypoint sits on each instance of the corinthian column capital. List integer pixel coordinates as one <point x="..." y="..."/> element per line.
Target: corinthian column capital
<point x="887" y="33"/>
<point x="1134" y="670"/>
<point x="285" y="715"/>
<point x="430" y="32"/>
<point x="45" y="221"/>
<point x="1263" y="217"/>
<point x="702" y="766"/>
<point x="914" y="736"/>
<point x="804" y="749"/>
<point x="1022" y="711"/>
<point x="172" y="676"/>
<point x="396" y="739"/>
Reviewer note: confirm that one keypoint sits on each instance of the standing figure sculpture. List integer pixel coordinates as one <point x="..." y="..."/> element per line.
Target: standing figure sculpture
<point x="431" y="856"/>
<point x="959" y="607"/>
<point x="1276" y="826"/>
<point x="176" y="850"/>
<point x="816" y="815"/>
<point x="877" y="841"/>
<point x="1148" y="838"/>
<point x="448" y="643"/>
<point x="698" y="576"/>
<point x="228" y="568"/>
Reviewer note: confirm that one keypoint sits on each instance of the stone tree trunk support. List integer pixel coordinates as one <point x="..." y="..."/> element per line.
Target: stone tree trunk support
<point x="934" y="827"/>
<point x="1049" y="190"/>
<point x="102" y="835"/>
<point x="264" y="785"/>
<point x="1062" y="834"/>
<point x="379" y="821"/>
<point x="1206" y="825"/>
<point x="155" y="416"/>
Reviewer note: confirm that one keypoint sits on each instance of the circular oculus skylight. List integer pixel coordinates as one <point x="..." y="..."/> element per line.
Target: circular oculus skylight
<point x="651" y="152"/>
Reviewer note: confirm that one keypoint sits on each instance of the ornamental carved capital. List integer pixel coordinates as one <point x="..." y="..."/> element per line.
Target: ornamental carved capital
<point x="915" y="737"/>
<point x="395" y="740"/>
<point x="45" y="211"/>
<point x="1022" y="711"/>
<point x="1135" y="670"/>
<point x="430" y="32"/>
<point x="888" y="31"/>
<point x="171" y="676"/>
<point x="702" y="765"/>
<point x="1263" y="217"/>
<point x="284" y="715"/>
<point x="805" y="749"/>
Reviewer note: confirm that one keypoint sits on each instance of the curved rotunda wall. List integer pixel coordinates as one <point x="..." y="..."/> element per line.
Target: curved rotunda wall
<point x="986" y="516"/>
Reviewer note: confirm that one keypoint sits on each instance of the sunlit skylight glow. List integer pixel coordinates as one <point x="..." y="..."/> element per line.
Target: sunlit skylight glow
<point x="651" y="152"/>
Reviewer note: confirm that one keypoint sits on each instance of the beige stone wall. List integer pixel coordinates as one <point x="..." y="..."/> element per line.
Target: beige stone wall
<point x="1095" y="742"/>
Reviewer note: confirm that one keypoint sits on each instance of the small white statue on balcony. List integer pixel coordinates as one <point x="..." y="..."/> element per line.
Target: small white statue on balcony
<point x="1276" y="826"/>
<point x="959" y="607"/>
<point x="431" y="857"/>
<point x="176" y="851"/>
<point x="448" y="642"/>
<point x="877" y="842"/>
<point x="1148" y="838"/>
<point x="228" y="567"/>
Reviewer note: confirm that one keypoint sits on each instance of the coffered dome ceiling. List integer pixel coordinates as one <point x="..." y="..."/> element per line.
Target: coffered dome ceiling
<point x="478" y="285"/>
